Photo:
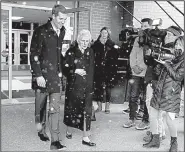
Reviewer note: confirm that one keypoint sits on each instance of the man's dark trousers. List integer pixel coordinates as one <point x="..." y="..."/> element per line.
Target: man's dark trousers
<point x="143" y="106"/>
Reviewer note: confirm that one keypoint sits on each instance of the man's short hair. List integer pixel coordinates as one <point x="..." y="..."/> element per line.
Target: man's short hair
<point x="58" y="8"/>
<point x="149" y="20"/>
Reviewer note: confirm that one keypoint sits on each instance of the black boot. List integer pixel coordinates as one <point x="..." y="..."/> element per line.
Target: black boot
<point x="174" y="144"/>
<point x="42" y="133"/>
<point x="56" y="145"/>
<point x="43" y="136"/>
<point x="154" y="142"/>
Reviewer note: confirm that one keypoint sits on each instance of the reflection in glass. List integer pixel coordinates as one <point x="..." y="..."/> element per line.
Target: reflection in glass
<point x="4" y="53"/>
<point x="4" y="37"/>
<point x="23" y="38"/>
<point x="23" y="48"/>
<point x="24" y="53"/>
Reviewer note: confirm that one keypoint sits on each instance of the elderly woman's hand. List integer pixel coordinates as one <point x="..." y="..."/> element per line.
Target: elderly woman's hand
<point x="81" y="72"/>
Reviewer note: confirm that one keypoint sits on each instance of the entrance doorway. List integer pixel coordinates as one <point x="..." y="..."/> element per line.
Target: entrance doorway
<point x="21" y="40"/>
<point x="15" y="64"/>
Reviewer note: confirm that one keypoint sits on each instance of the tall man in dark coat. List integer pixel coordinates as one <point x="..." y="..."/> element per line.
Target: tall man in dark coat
<point x="46" y="65"/>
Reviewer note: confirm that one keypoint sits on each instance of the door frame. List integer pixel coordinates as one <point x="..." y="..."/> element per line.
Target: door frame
<point x="9" y="9"/>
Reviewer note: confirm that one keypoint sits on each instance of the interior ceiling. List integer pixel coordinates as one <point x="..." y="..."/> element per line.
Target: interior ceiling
<point x="30" y="15"/>
<point x="33" y="15"/>
<point x="49" y="4"/>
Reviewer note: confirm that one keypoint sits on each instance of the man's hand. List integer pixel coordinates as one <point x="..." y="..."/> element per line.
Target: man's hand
<point x="81" y="72"/>
<point x="41" y="82"/>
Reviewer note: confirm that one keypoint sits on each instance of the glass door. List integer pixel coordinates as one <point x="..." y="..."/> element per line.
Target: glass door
<point x="24" y="47"/>
<point x="6" y="52"/>
<point x="20" y="47"/>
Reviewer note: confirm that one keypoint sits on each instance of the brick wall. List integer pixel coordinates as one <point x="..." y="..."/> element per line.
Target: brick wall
<point x="127" y="18"/>
<point x="150" y="9"/>
<point x="103" y="14"/>
<point x="116" y="22"/>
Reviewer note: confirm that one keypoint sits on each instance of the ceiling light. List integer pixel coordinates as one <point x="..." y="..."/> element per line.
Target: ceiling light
<point x="24" y="3"/>
<point x="16" y="17"/>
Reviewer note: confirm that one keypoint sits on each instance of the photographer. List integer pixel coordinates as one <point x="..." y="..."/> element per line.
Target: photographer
<point x="167" y="89"/>
<point x="138" y="68"/>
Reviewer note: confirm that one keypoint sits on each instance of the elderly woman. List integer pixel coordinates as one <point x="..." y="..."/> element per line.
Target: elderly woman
<point x="167" y="95"/>
<point x="79" y="70"/>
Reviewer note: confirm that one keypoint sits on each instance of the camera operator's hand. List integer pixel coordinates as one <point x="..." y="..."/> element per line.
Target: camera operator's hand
<point x="137" y="69"/>
<point x="148" y="52"/>
<point x="162" y="62"/>
<point x="140" y="33"/>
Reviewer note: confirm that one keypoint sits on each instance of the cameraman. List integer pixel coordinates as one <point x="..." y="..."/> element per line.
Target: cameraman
<point x="138" y="68"/>
<point x="167" y="89"/>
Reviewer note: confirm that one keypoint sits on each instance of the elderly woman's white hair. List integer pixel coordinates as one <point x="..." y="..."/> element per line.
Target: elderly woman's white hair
<point x="84" y="33"/>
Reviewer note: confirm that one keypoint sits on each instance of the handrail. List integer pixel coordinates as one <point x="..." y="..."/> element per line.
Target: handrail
<point x="175" y="7"/>
<point x="128" y="11"/>
<point x="169" y="16"/>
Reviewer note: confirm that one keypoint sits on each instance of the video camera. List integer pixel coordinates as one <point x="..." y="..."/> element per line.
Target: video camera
<point x="128" y="33"/>
<point x="152" y="40"/>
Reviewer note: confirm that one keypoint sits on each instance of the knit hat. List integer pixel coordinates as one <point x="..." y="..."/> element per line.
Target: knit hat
<point x="175" y="30"/>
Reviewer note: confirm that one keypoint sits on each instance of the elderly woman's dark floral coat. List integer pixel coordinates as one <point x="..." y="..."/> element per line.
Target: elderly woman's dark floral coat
<point x="46" y="57"/>
<point x="167" y="90"/>
<point x="79" y="90"/>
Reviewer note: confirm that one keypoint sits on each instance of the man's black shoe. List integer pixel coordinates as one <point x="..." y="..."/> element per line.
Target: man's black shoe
<point x="93" y="118"/>
<point x="126" y="111"/>
<point x="43" y="136"/>
<point x="56" y="145"/>
<point x="88" y="143"/>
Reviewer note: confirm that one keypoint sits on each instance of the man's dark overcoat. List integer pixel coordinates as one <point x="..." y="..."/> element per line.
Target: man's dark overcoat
<point x="46" y="58"/>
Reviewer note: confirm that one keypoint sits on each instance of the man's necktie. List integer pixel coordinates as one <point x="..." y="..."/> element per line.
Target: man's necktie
<point x="58" y="32"/>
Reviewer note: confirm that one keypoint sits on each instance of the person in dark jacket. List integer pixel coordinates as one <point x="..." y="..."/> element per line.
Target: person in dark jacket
<point x="46" y="67"/>
<point x="171" y="34"/>
<point x="79" y="71"/>
<point x="167" y="94"/>
<point x="106" y="57"/>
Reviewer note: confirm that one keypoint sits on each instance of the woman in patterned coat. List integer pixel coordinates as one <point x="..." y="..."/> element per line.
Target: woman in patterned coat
<point x="79" y="70"/>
